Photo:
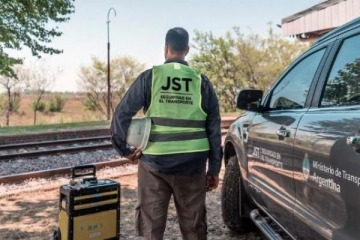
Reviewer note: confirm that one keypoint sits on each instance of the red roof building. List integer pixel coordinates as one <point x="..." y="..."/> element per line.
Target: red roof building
<point x="317" y="20"/>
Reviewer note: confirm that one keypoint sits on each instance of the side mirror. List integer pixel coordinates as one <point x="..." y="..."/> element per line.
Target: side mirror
<point x="249" y="100"/>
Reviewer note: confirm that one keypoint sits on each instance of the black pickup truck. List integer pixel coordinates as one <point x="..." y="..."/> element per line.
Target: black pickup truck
<point x="293" y="158"/>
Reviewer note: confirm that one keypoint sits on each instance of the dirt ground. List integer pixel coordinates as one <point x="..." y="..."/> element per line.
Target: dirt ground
<point x="73" y="111"/>
<point x="32" y="213"/>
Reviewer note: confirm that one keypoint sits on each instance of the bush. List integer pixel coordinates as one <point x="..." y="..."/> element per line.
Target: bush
<point x="57" y="103"/>
<point x="2" y="104"/>
<point x="15" y="102"/>
<point x="40" y="107"/>
<point x="89" y="105"/>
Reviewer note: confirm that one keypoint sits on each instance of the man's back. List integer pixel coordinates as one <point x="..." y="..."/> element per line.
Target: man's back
<point x="185" y="132"/>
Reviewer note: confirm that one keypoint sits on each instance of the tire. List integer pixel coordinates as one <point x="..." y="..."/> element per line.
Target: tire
<point x="57" y="235"/>
<point x="231" y="201"/>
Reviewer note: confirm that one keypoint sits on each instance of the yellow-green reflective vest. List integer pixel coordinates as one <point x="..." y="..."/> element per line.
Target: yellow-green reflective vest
<point x="178" y="121"/>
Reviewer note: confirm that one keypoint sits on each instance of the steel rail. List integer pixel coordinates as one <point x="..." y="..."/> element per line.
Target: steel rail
<point x="55" y="151"/>
<point x="225" y="123"/>
<point x="54" y="142"/>
<point x="58" y="171"/>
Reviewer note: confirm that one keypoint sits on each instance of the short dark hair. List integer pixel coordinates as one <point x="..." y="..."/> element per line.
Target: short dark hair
<point x="177" y="39"/>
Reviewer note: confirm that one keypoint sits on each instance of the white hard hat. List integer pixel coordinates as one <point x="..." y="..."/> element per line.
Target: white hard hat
<point x="138" y="133"/>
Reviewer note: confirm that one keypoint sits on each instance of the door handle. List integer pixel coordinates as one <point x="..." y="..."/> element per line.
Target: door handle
<point x="354" y="143"/>
<point x="283" y="132"/>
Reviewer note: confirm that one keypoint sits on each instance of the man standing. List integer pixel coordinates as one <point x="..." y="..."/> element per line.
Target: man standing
<point x="185" y="132"/>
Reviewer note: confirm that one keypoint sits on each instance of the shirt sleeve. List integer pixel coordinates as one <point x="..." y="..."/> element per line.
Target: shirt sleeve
<point x="134" y="99"/>
<point x="210" y="105"/>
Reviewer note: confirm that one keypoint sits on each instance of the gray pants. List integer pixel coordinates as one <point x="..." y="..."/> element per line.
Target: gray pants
<point x="154" y="193"/>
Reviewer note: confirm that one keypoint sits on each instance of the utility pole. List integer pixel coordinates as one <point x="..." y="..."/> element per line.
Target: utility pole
<point x="108" y="64"/>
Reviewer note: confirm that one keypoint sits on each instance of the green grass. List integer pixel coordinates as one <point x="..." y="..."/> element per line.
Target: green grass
<point x="4" y="131"/>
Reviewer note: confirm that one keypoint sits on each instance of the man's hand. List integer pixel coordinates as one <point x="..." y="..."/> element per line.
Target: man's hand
<point x="134" y="155"/>
<point x="212" y="182"/>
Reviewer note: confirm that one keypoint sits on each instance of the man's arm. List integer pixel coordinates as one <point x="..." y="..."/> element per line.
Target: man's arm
<point x="213" y="129"/>
<point x="134" y="99"/>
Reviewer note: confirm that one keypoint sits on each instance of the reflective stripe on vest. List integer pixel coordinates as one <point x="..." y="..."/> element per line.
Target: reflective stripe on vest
<point x="178" y="121"/>
<point x="177" y="136"/>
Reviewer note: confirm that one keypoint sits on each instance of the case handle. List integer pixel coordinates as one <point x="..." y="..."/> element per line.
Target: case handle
<point x="79" y="171"/>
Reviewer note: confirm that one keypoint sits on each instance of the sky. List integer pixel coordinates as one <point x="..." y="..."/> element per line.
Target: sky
<point x="139" y="27"/>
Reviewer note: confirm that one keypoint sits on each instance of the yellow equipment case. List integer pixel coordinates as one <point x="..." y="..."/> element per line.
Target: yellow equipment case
<point x="88" y="208"/>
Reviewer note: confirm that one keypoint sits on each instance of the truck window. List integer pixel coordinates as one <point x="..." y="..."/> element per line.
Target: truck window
<point x="292" y="91"/>
<point x="343" y="83"/>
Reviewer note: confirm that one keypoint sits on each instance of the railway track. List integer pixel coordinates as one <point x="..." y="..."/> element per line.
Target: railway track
<point x="34" y="149"/>
<point x="31" y="150"/>
<point x="55" y="142"/>
<point x="54" y="172"/>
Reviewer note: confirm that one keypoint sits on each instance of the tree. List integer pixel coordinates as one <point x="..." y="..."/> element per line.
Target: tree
<point x="38" y="79"/>
<point x="12" y="87"/>
<point x="343" y="87"/>
<point x="30" y="24"/>
<point x="279" y="53"/>
<point x="93" y="81"/>
<point x="242" y="61"/>
<point x="217" y="59"/>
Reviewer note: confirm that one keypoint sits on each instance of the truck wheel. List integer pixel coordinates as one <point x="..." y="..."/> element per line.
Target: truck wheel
<point x="57" y="235"/>
<point x="231" y="201"/>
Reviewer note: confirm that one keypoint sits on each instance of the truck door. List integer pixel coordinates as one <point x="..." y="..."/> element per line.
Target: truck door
<point x="271" y="139"/>
<point x="327" y="152"/>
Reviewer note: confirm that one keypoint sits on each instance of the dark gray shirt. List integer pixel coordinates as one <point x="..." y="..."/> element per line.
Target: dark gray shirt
<point x="139" y="96"/>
